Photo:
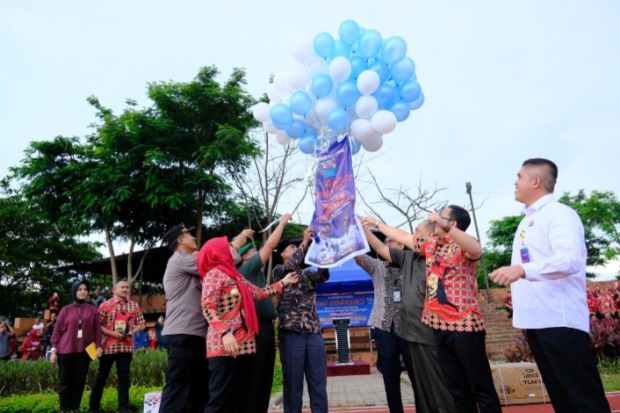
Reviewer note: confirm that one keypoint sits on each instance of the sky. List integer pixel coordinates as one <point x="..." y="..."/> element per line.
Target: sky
<point x="504" y="81"/>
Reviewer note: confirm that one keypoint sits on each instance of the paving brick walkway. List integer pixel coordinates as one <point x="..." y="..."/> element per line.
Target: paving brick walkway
<point x="354" y="391"/>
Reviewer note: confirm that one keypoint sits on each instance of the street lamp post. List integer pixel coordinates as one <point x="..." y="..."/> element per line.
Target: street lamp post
<point x="484" y="267"/>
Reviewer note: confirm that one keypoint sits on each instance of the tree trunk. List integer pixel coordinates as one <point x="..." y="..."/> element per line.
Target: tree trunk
<point x="132" y="243"/>
<point x="108" y="239"/>
<point x="199" y="218"/>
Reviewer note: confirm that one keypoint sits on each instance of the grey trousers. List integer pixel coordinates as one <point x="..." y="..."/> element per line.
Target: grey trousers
<point x="433" y="395"/>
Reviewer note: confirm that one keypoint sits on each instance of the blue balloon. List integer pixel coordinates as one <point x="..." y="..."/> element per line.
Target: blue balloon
<point x="300" y="102"/>
<point x="324" y="44"/>
<point x="381" y="68"/>
<point x="358" y="65"/>
<point x="347" y="94"/>
<point x="322" y="86"/>
<point x="393" y="50"/>
<point x="306" y="145"/>
<point x="370" y="43"/>
<point x="401" y="110"/>
<point x="349" y="31"/>
<point x="416" y="104"/>
<point x="296" y="129"/>
<point x="403" y="70"/>
<point x="355" y="146"/>
<point x="310" y="132"/>
<point x="409" y="91"/>
<point x="386" y="95"/>
<point x="281" y="115"/>
<point x="338" y="119"/>
<point x="341" y="49"/>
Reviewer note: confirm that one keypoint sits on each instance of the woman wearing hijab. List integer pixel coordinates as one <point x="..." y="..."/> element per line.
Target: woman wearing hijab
<point x="76" y="328"/>
<point x="31" y="347"/>
<point x="228" y="305"/>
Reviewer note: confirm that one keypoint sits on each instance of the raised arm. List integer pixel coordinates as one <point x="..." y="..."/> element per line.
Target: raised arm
<point x="469" y="244"/>
<point x="397" y="234"/>
<point x="376" y="244"/>
<point x="273" y="240"/>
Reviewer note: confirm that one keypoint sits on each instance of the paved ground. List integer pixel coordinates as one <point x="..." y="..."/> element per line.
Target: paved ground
<point x="365" y="394"/>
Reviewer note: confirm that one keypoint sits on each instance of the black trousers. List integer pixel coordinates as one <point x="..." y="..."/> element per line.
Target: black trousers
<point x="465" y="366"/>
<point x="72" y="371"/>
<point x="260" y="369"/>
<point x="568" y="368"/>
<point x="389" y="348"/>
<point x="123" y="366"/>
<point x="187" y="377"/>
<point x="228" y="380"/>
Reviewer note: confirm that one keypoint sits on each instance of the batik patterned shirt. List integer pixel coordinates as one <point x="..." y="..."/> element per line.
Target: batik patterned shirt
<point x="297" y="305"/>
<point x="451" y="301"/>
<point x="387" y="282"/>
<point x="114" y="313"/>
<point x="221" y="306"/>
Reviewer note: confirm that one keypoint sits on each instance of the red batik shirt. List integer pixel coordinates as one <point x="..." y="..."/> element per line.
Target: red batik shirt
<point x="115" y="315"/>
<point x="451" y="301"/>
<point x="223" y="311"/>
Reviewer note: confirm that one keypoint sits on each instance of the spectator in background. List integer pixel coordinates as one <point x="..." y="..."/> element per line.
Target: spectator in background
<point x="508" y="303"/>
<point x="38" y="325"/>
<point x="51" y="324"/>
<point x="141" y="341"/>
<point x="54" y="303"/>
<point x="6" y="334"/>
<point x="77" y="327"/>
<point x="159" y="328"/>
<point x="152" y="339"/>
<point x="31" y="347"/>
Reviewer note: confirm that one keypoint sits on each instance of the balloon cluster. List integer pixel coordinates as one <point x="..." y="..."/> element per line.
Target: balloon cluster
<point x="359" y="84"/>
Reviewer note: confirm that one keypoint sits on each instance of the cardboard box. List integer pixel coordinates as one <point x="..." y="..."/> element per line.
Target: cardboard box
<point x="519" y="383"/>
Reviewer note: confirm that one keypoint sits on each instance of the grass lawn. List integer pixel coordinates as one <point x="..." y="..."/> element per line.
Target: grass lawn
<point x="610" y="374"/>
<point x="276" y="386"/>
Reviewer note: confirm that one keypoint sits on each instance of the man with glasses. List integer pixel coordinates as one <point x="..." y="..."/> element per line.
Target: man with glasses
<point x="384" y="317"/>
<point x="451" y="307"/>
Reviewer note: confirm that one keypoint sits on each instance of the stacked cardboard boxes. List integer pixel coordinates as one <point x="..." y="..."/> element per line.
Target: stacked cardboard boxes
<point x="519" y="383"/>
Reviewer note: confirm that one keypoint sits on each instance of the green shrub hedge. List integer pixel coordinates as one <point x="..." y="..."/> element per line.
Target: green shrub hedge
<point x="49" y="403"/>
<point x="148" y="369"/>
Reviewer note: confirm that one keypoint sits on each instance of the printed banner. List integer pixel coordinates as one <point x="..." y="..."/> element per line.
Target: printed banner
<point x="339" y="235"/>
<point x="355" y="306"/>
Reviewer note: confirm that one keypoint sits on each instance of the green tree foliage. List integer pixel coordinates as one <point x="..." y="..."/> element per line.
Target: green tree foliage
<point x="599" y="213"/>
<point x="148" y="169"/>
<point x="31" y="247"/>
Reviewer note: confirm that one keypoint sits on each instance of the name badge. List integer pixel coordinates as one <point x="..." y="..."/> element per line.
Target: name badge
<point x="525" y="255"/>
<point x="397" y="296"/>
<point x="79" y="333"/>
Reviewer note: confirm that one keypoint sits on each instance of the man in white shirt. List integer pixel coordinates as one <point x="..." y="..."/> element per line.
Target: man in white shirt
<point x="548" y="277"/>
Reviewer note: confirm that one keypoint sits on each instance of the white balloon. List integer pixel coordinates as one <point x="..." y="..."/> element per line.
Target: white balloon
<point x="286" y="98"/>
<point x="324" y="106"/>
<point x="340" y="69"/>
<point x="366" y="106"/>
<point x="282" y="138"/>
<point x="270" y="127"/>
<point x="368" y="81"/>
<point x="273" y="93"/>
<point x="298" y="78"/>
<point x="316" y="66"/>
<point x="362" y="130"/>
<point x="374" y="143"/>
<point x="281" y="81"/>
<point x="261" y="112"/>
<point x="313" y="119"/>
<point x="302" y="51"/>
<point x="384" y="121"/>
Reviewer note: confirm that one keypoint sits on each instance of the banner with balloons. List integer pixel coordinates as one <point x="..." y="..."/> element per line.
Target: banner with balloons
<point x="359" y="84"/>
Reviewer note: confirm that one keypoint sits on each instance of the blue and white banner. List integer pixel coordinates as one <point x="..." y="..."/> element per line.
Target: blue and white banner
<point x="339" y="235"/>
<point x="357" y="307"/>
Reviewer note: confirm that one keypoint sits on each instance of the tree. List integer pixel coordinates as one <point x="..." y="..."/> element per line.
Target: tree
<point x="32" y="246"/>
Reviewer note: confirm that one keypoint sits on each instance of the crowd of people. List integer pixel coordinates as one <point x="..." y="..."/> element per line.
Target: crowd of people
<point x="220" y="334"/>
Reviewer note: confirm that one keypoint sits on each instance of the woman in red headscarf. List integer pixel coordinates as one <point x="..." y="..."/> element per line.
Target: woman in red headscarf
<point x="228" y="305"/>
<point x="31" y="347"/>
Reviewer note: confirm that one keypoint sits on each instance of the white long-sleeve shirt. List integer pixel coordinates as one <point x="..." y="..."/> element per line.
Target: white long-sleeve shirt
<point x="553" y="292"/>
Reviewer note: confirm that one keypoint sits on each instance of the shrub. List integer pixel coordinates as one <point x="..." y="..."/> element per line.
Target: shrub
<point x="49" y="403"/>
<point x="148" y="369"/>
<point x="520" y="351"/>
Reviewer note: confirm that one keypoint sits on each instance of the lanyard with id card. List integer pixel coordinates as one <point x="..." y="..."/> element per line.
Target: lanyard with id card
<point x="525" y="254"/>
<point x="397" y="296"/>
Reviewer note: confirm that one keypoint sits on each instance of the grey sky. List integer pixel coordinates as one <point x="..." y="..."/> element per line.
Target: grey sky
<point x="504" y="81"/>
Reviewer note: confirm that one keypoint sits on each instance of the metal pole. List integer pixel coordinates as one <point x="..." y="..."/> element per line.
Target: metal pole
<point x="141" y="275"/>
<point x="484" y="267"/>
